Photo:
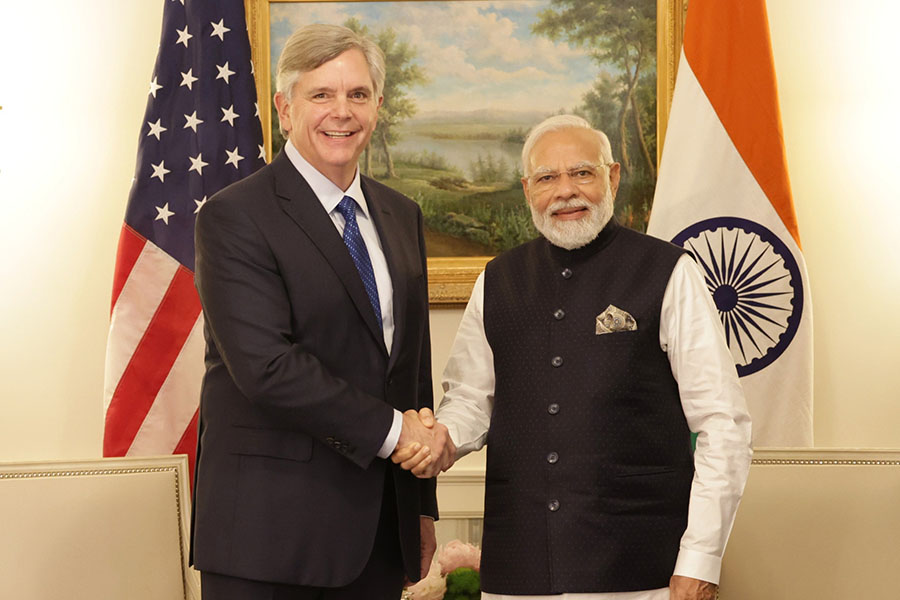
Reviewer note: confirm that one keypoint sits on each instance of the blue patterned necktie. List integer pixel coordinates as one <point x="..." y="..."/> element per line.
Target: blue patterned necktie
<point x="357" y="247"/>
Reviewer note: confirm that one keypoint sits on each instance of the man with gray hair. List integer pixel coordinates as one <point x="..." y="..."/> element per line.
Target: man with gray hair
<point x="584" y="360"/>
<point x="313" y="285"/>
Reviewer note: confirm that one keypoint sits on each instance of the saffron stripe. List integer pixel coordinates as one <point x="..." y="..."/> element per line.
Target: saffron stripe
<point x="151" y="362"/>
<point x="728" y="48"/>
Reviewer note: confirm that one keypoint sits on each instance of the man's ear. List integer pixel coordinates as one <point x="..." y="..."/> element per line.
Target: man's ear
<point x="615" y="175"/>
<point x="525" y="184"/>
<point x="283" y="106"/>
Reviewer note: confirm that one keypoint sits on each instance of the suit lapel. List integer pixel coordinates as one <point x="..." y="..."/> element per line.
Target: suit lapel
<point x="300" y="203"/>
<point x="391" y="235"/>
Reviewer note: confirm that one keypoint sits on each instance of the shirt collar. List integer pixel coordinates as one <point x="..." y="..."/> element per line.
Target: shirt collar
<point x="329" y="194"/>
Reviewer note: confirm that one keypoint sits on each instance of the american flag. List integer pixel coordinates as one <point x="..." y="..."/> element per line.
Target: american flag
<point x="201" y="131"/>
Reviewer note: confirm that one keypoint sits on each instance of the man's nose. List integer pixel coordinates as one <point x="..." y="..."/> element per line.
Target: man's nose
<point x="340" y="108"/>
<point x="565" y="186"/>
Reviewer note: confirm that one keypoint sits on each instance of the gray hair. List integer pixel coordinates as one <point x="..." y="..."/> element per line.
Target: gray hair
<point x="312" y="46"/>
<point x="557" y="123"/>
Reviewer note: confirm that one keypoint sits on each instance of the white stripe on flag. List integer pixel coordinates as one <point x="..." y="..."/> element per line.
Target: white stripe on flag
<point x="140" y="297"/>
<point x="176" y="402"/>
<point x="703" y="176"/>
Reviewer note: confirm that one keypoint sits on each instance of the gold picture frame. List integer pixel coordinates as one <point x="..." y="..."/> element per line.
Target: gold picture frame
<point x="450" y="279"/>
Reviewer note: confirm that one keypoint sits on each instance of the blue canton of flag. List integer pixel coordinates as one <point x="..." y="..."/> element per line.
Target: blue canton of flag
<point x="201" y="132"/>
<point x="201" y="128"/>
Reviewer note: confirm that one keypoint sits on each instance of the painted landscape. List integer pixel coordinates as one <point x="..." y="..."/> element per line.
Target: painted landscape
<point x="465" y="83"/>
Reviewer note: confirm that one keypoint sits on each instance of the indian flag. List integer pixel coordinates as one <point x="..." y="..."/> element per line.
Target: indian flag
<point x="723" y="194"/>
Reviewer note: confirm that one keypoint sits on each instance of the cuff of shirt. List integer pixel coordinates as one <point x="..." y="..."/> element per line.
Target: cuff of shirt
<point x="453" y="431"/>
<point x="393" y="436"/>
<point x="698" y="565"/>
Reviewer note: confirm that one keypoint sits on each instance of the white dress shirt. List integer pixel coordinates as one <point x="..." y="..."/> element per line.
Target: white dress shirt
<point x="330" y="195"/>
<point x="692" y="336"/>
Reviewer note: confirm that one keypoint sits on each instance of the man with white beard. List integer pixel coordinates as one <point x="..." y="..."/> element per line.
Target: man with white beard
<point x="584" y="361"/>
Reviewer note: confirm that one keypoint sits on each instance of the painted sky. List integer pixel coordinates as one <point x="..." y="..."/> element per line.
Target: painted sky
<point x="478" y="55"/>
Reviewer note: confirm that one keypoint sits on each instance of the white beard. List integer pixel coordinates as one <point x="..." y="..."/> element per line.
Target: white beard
<point x="574" y="234"/>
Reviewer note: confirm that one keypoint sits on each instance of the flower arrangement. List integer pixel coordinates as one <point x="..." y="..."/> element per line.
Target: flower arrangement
<point x="454" y="575"/>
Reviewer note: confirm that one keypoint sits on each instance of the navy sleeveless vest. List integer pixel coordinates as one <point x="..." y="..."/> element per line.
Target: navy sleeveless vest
<point x="589" y="460"/>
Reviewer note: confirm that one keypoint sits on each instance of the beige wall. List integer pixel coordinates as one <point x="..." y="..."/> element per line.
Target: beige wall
<point x="73" y="85"/>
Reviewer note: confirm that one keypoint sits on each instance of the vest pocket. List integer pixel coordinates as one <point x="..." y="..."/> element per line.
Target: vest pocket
<point x="652" y="490"/>
<point x="645" y="471"/>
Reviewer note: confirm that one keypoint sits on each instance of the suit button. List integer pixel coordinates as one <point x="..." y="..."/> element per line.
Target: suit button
<point x="559" y="314"/>
<point x="566" y="273"/>
<point x="552" y="458"/>
<point x="553" y="505"/>
<point x="556" y="361"/>
<point x="553" y="408"/>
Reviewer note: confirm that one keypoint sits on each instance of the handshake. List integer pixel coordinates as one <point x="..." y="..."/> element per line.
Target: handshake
<point x="424" y="447"/>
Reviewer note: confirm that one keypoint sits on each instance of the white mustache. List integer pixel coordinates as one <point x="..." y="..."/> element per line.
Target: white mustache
<point x="566" y="204"/>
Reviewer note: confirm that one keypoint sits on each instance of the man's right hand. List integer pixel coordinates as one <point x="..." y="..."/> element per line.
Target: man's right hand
<point x="424" y="447"/>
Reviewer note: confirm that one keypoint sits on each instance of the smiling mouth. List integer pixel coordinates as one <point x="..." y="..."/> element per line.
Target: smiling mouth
<point x="569" y="211"/>
<point x="338" y="134"/>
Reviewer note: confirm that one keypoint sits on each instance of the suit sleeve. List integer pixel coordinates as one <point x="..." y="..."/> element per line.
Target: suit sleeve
<point x="426" y="389"/>
<point x="247" y="311"/>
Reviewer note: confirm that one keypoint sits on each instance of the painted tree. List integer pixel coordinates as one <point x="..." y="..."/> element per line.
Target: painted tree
<point x="398" y="106"/>
<point x="401" y="74"/>
<point x="621" y="34"/>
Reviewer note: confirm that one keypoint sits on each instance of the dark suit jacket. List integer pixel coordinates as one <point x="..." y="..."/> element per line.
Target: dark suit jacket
<point x="299" y="390"/>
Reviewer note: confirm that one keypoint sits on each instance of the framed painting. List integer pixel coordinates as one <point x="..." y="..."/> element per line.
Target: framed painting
<point x="467" y="79"/>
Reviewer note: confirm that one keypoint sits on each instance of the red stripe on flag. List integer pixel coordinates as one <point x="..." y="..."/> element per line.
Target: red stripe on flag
<point x="727" y="46"/>
<point x="188" y="445"/>
<point x="131" y="243"/>
<point x="150" y="364"/>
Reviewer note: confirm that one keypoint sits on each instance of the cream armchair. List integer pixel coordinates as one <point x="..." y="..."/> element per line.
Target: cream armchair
<point x="102" y="529"/>
<point x="816" y="524"/>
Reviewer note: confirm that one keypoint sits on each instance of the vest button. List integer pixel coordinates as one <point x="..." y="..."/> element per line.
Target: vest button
<point x="556" y="361"/>
<point x="553" y="458"/>
<point x="553" y="408"/>
<point x="559" y="314"/>
<point x="566" y="273"/>
<point x="553" y="505"/>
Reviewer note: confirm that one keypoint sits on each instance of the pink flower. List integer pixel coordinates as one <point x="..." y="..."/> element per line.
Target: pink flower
<point x="431" y="587"/>
<point x="457" y="554"/>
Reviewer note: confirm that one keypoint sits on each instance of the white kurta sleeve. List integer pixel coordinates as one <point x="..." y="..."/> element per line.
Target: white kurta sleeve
<point x="468" y="379"/>
<point x="713" y="401"/>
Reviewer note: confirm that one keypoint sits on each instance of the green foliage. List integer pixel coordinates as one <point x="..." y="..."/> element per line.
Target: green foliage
<point x="498" y="219"/>
<point x="622" y="102"/>
<point x="463" y="584"/>
<point x="516" y="135"/>
<point x="424" y="158"/>
<point x="489" y="169"/>
<point x="634" y="200"/>
<point x="449" y="183"/>
<point x="401" y="74"/>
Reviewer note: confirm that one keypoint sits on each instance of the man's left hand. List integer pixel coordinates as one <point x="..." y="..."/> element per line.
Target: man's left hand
<point x="688" y="588"/>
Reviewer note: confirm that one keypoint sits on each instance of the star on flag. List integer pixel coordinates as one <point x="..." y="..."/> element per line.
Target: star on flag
<point x="151" y="390"/>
